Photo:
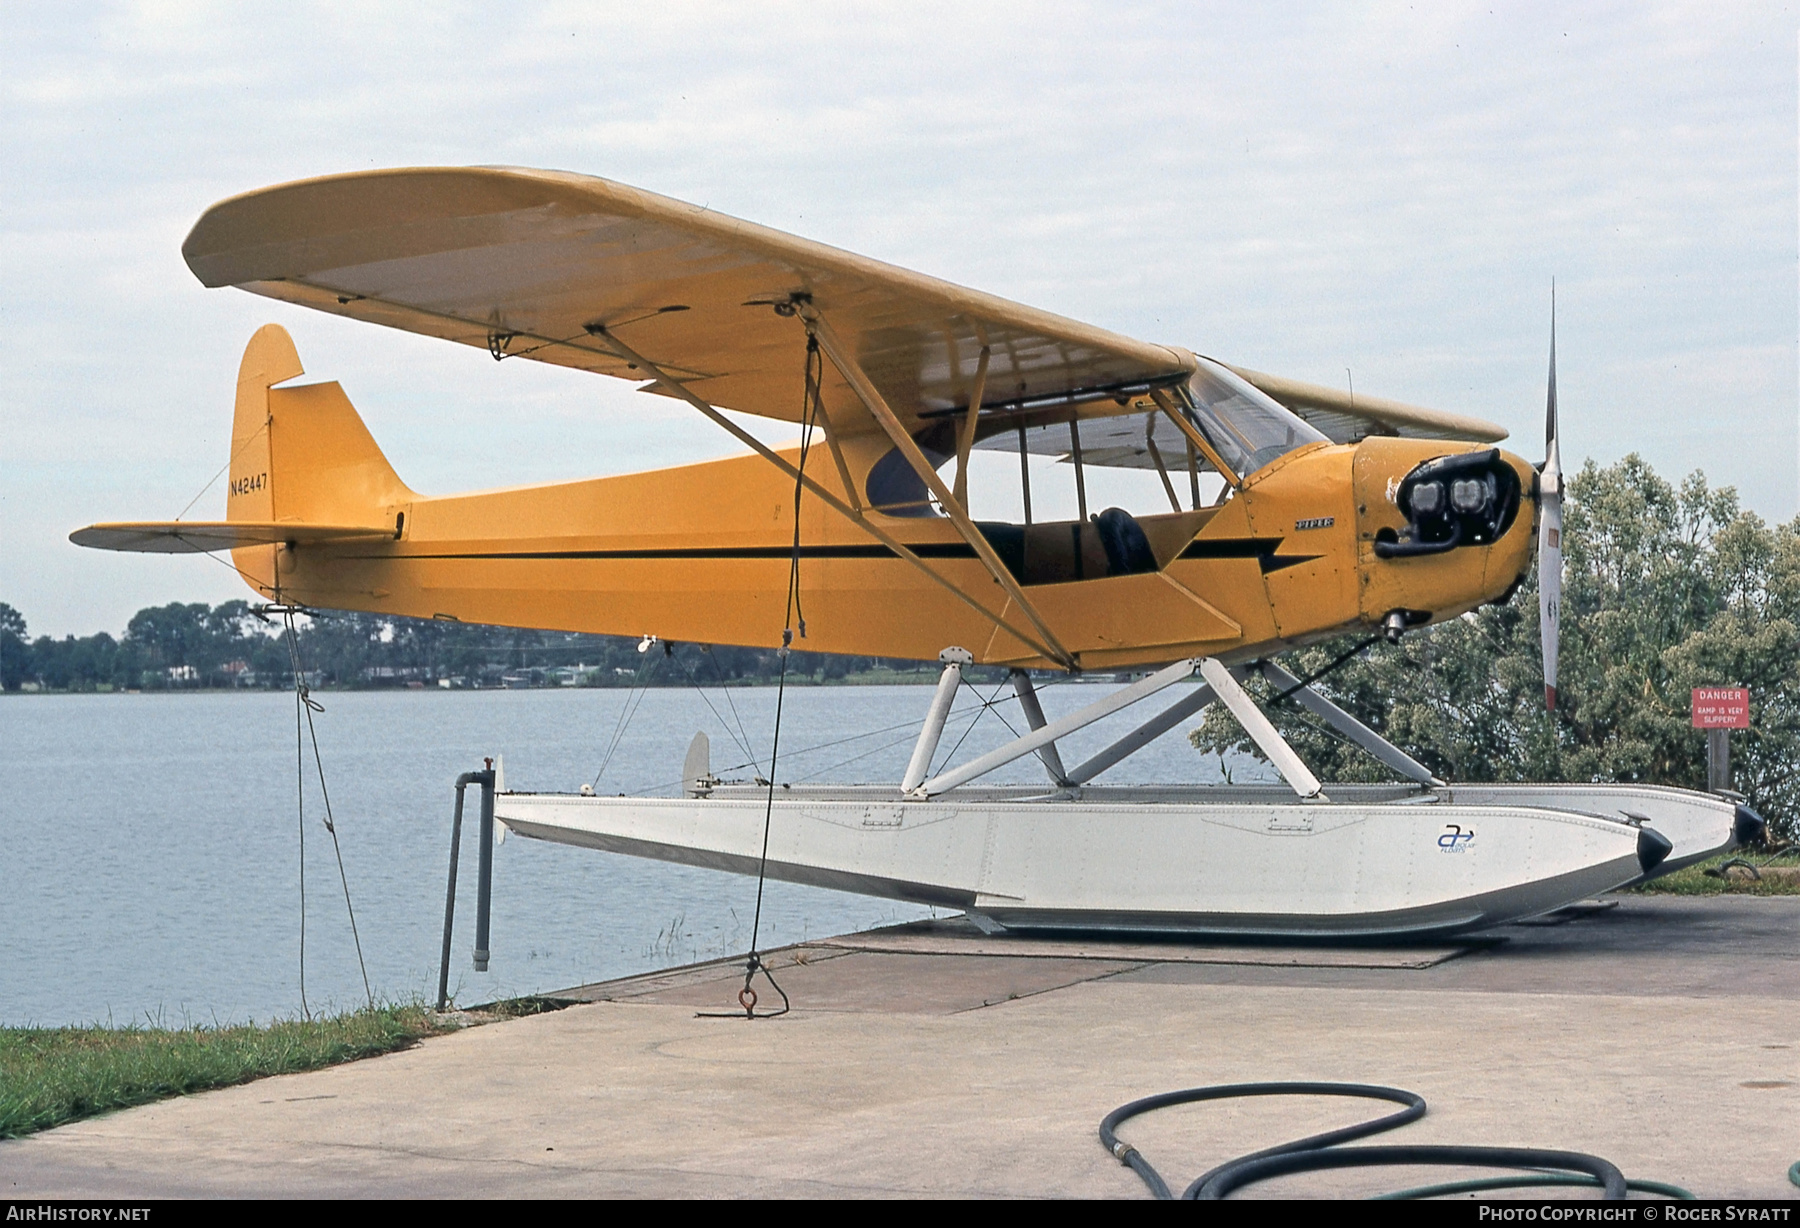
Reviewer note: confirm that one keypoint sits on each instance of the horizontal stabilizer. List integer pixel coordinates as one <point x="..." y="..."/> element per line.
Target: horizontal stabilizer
<point x="207" y="536"/>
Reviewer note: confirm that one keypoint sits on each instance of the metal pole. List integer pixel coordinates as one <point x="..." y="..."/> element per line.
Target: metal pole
<point x="1718" y="759"/>
<point x="1349" y="726"/>
<point x="965" y="437"/>
<point x="462" y="783"/>
<point x="484" y="887"/>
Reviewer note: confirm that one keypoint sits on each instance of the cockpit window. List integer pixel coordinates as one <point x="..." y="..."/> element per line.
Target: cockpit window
<point x="893" y="487"/>
<point x="1247" y="427"/>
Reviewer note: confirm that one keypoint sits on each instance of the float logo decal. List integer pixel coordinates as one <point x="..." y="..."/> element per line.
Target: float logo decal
<point x="1455" y="838"/>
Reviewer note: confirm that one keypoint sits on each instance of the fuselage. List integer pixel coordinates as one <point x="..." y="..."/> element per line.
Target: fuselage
<point x="701" y="553"/>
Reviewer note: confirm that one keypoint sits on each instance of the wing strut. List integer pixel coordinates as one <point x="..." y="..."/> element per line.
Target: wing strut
<point x="1195" y="440"/>
<point x="878" y="409"/>
<point x="855" y="515"/>
<point x="965" y="435"/>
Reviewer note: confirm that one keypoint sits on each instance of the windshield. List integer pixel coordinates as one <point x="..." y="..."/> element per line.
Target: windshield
<point x="1247" y="426"/>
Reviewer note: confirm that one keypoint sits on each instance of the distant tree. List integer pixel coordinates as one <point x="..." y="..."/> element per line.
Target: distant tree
<point x="1666" y="589"/>
<point x="15" y="652"/>
<point x="171" y="636"/>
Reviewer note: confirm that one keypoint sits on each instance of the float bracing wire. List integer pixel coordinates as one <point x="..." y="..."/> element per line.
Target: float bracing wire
<point x="305" y="704"/>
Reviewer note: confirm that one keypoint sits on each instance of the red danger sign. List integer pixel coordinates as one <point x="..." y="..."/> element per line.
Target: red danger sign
<point x="1721" y="707"/>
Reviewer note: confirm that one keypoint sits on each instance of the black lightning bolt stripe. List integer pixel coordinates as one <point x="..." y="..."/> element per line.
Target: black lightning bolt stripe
<point x="1262" y="549"/>
<point x="930" y="550"/>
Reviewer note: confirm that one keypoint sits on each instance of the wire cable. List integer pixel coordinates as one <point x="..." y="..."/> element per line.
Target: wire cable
<point x="793" y="614"/>
<point x="744" y="734"/>
<point x="742" y="742"/>
<point x="640" y="687"/>
<point x="238" y="451"/>
<point x="305" y="704"/>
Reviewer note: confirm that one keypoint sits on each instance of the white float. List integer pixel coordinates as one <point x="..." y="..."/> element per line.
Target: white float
<point x="1300" y="859"/>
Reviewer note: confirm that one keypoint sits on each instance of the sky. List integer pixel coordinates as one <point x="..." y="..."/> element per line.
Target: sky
<point x="1376" y="191"/>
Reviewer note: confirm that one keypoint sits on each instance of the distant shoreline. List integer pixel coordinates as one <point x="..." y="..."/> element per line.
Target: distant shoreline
<point x="737" y="684"/>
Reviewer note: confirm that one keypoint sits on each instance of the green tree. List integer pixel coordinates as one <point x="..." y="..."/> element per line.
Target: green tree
<point x="15" y="652"/>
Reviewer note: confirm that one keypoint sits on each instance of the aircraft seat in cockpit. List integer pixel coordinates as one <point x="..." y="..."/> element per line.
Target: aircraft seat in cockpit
<point x="1127" y="548"/>
<point x="1110" y="544"/>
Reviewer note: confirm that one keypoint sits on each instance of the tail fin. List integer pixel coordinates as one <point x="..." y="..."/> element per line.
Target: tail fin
<point x="303" y="471"/>
<point x="269" y="359"/>
<point x="301" y="456"/>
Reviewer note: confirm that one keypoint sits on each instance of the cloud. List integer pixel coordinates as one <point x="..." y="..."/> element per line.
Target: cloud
<point x="1384" y="187"/>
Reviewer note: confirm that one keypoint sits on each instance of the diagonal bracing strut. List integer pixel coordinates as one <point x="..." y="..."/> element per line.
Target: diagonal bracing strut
<point x="1046" y="735"/>
<point x="1262" y="731"/>
<point x="1221" y="684"/>
<point x="855" y="515"/>
<point x="1348" y="725"/>
<point x="884" y="416"/>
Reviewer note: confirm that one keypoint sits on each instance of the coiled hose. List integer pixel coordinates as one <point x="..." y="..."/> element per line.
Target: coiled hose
<point x="1321" y="1151"/>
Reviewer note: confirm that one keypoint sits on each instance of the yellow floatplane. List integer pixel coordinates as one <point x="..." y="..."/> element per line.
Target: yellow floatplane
<point x="1294" y="513"/>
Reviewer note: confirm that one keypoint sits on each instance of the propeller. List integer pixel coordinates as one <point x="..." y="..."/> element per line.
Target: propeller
<point x="1550" y="562"/>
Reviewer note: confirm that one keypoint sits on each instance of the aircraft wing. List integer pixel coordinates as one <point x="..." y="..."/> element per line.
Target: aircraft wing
<point x="1344" y="417"/>
<point x="521" y="262"/>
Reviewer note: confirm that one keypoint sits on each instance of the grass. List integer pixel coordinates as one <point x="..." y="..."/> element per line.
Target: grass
<point x="49" y="1076"/>
<point x="1695" y="881"/>
<point x="518" y="1008"/>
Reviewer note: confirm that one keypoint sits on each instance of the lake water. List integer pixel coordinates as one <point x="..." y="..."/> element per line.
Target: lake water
<point x="149" y="847"/>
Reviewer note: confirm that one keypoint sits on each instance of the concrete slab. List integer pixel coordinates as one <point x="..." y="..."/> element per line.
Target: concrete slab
<point x="899" y="984"/>
<point x="889" y="1080"/>
<point x="957" y="937"/>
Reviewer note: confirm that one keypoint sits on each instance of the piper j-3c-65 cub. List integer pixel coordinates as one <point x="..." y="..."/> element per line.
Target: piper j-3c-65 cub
<point x="1295" y="513"/>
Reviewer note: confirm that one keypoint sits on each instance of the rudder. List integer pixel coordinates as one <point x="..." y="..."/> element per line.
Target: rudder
<point x="301" y="455"/>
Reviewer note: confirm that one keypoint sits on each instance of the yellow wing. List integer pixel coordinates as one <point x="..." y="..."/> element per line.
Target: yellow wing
<point x="529" y="263"/>
<point x="1344" y="417"/>
<point x="522" y="262"/>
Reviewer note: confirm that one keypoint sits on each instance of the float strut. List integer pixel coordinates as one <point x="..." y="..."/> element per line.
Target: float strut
<point x="1034" y="717"/>
<point x="462" y="784"/>
<point x="1143" y="735"/>
<point x="954" y="659"/>
<point x="1349" y="726"/>
<point x="1267" y="738"/>
<point x="1062" y="727"/>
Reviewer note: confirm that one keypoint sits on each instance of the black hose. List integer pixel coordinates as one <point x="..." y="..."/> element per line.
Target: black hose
<point x="1320" y="1151"/>
<point x="1240" y="1173"/>
<point x="1130" y="1156"/>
